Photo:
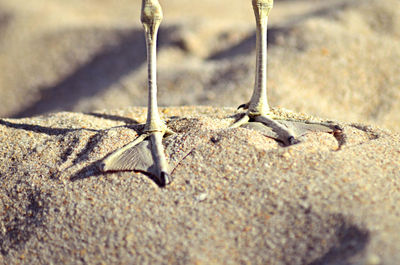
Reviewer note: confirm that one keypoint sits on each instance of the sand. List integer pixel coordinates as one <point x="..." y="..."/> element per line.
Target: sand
<point x="238" y="197"/>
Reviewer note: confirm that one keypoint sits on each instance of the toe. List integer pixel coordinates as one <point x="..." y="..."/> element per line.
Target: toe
<point x="165" y="178"/>
<point x="292" y="140"/>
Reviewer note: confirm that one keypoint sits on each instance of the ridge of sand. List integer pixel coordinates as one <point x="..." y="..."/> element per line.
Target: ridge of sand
<point x="238" y="197"/>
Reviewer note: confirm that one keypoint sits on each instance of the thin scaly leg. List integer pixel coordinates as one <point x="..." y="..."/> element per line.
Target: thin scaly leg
<point x="146" y="153"/>
<point x="258" y="115"/>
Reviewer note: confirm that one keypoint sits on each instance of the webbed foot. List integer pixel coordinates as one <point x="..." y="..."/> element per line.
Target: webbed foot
<point x="145" y="154"/>
<point x="287" y="132"/>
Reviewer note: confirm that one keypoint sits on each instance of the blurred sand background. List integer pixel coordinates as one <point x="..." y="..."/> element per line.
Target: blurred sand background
<point x="238" y="197"/>
<point x="334" y="59"/>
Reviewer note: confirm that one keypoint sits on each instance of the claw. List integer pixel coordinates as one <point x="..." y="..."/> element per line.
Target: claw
<point x="165" y="179"/>
<point x="338" y="128"/>
<point x="243" y="106"/>
<point x="292" y="140"/>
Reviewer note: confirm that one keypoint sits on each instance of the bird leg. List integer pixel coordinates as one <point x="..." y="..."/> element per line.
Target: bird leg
<point x="146" y="153"/>
<point x="258" y="115"/>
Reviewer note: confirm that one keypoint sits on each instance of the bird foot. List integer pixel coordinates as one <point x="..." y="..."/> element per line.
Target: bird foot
<point x="144" y="154"/>
<point x="284" y="131"/>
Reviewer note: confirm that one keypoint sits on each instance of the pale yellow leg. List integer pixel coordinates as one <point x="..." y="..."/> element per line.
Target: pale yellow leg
<point x="258" y="110"/>
<point x="146" y="153"/>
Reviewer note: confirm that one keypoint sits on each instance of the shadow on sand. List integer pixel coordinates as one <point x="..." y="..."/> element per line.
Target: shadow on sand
<point x="104" y="69"/>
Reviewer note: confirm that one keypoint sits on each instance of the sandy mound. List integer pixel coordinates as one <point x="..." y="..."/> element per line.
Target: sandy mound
<point x="238" y="197"/>
<point x="335" y="59"/>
